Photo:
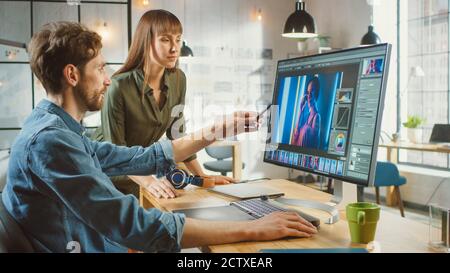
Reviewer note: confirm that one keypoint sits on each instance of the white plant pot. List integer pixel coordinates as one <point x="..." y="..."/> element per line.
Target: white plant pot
<point x="415" y="135"/>
<point x="302" y="46"/>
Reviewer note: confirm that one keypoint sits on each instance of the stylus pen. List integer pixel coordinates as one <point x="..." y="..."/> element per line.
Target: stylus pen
<point x="262" y="113"/>
<point x="259" y="116"/>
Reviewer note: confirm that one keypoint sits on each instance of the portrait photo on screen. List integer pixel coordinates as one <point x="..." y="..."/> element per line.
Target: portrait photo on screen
<point x="313" y="110"/>
<point x="306" y="109"/>
<point x="345" y="95"/>
<point x="373" y="67"/>
<point x="311" y="104"/>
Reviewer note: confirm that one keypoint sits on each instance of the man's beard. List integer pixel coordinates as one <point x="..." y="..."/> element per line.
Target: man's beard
<point x="92" y="100"/>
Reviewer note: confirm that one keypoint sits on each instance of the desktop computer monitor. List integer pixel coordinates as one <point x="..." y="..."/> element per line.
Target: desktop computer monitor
<point x="326" y="113"/>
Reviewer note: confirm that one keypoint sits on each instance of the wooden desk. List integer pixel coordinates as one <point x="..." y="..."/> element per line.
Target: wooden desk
<point x="394" y="233"/>
<point x="423" y="147"/>
<point x="392" y="150"/>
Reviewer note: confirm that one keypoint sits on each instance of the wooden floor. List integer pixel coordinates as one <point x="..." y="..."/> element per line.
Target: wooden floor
<point x="412" y="214"/>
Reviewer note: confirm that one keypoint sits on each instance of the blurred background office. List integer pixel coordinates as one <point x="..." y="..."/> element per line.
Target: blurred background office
<point x="236" y="45"/>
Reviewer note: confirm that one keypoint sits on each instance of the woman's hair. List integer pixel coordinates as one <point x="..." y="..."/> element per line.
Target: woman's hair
<point x="150" y="24"/>
<point x="316" y="86"/>
<point x="57" y="45"/>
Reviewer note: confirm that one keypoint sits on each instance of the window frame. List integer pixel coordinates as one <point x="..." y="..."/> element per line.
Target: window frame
<point x="401" y="65"/>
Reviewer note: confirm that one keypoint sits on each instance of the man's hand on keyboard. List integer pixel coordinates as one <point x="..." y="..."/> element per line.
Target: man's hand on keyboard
<point x="282" y="224"/>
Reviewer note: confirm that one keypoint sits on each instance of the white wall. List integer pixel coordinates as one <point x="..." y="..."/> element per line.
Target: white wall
<point x="4" y="158"/>
<point x="345" y="21"/>
<point x="385" y="23"/>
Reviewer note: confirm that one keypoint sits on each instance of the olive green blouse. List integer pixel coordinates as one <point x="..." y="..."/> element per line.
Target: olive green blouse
<point x="129" y="119"/>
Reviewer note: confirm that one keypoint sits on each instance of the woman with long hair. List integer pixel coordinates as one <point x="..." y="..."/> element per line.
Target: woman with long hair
<point x="307" y="130"/>
<point x="145" y="99"/>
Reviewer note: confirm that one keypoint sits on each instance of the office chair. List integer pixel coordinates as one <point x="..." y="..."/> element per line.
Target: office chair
<point x="387" y="174"/>
<point x="12" y="238"/>
<point x="220" y="165"/>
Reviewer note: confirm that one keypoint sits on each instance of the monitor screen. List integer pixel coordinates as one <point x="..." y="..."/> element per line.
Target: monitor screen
<point x="326" y="113"/>
<point x="440" y="133"/>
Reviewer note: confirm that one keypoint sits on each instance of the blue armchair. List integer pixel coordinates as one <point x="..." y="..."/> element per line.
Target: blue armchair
<point x="386" y="175"/>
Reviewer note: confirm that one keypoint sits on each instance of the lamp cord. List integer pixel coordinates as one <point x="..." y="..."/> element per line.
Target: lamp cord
<point x="184" y="16"/>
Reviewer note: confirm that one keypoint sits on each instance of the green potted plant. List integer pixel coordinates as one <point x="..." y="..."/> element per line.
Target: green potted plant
<point x="412" y="124"/>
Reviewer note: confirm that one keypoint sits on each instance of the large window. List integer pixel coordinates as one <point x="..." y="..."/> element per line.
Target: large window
<point x="426" y="68"/>
<point x="20" y="91"/>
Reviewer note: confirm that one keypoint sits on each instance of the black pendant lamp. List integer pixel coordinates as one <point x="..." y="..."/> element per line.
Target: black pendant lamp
<point x="370" y="38"/>
<point x="186" y="51"/>
<point x="300" y="24"/>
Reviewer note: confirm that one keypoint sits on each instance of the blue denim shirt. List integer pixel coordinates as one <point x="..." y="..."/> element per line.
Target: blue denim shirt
<point x="59" y="191"/>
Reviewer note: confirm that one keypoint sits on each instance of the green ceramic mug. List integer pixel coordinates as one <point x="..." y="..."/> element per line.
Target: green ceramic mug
<point x="362" y="220"/>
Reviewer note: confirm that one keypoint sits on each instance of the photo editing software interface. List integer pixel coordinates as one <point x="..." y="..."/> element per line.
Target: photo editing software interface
<point x="327" y="110"/>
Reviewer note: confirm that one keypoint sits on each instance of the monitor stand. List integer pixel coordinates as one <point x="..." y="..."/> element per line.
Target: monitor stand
<point x="344" y="193"/>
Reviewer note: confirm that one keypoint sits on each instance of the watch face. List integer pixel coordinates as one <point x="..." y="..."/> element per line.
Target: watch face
<point x="177" y="178"/>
